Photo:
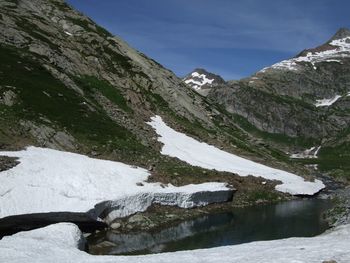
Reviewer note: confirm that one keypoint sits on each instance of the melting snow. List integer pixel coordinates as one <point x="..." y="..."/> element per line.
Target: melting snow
<point x="341" y="50"/>
<point x="60" y="242"/>
<point x="327" y="102"/>
<point x="200" y="154"/>
<point x="307" y="154"/>
<point x="47" y="180"/>
<point x="197" y="84"/>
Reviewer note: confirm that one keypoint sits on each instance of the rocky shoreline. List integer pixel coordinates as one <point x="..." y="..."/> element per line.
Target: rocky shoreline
<point x="340" y="214"/>
<point x="157" y="217"/>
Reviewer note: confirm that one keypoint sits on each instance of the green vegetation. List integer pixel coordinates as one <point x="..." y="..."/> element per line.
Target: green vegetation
<point x="240" y="138"/>
<point x="274" y="137"/>
<point x="123" y="61"/>
<point x="178" y="172"/>
<point x="92" y="84"/>
<point x="41" y="95"/>
<point x="194" y="128"/>
<point x="335" y="159"/>
<point x="157" y="101"/>
<point x="263" y="196"/>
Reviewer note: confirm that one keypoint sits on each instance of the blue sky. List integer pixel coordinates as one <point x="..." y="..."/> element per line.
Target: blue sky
<point x="233" y="38"/>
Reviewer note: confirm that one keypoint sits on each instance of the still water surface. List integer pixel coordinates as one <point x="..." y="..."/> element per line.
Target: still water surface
<point x="302" y="218"/>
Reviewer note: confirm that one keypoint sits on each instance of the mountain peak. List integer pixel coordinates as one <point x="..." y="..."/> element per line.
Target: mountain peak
<point x="335" y="49"/>
<point x="341" y="33"/>
<point x="200" y="70"/>
<point x="200" y="79"/>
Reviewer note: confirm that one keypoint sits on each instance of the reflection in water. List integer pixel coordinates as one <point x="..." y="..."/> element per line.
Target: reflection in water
<point x="301" y="218"/>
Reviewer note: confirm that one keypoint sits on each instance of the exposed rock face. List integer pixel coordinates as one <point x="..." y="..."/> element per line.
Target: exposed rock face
<point x="7" y="163"/>
<point x="203" y="81"/>
<point x="293" y="89"/>
<point x="341" y="33"/>
<point x="49" y="137"/>
<point x="83" y="56"/>
<point x="303" y="97"/>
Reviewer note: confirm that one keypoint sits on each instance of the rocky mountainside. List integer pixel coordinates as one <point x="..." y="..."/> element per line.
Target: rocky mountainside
<point x="299" y="103"/>
<point x="90" y="73"/>
<point x="68" y="84"/>
<point x="203" y="81"/>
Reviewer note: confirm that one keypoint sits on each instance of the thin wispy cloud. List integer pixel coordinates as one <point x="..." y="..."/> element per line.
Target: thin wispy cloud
<point x="172" y="30"/>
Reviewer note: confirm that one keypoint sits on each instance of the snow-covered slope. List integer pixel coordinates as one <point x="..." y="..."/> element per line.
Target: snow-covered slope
<point x="200" y="154"/>
<point x="333" y="52"/>
<point x="58" y="243"/>
<point x="307" y="154"/>
<point x="47" y="180"/>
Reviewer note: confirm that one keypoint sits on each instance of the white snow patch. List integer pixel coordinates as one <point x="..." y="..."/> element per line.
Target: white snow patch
<point x="197" y="84"/>
<point x="333" y="60"/>
<point x="341" y="50"/>
<point x="200" y="154"/>
<point x="47" y="180"/>
<point x="327" y="102"/>
<point x="58" y="243"/>
<point x="307" y="154"/>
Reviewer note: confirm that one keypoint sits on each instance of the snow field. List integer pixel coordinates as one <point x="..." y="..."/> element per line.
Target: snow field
<point x="47" y="180"/>
<point x="60" y="242"/>
<point x="200" y="154"/>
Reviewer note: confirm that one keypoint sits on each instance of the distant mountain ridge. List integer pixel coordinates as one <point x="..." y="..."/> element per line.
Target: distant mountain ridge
<point x="305" y="99"/>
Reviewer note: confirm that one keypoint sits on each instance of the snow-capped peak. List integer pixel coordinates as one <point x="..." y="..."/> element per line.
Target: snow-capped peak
<point x="340" y="34"/>
<point x="200" y="79"/>
<point x="337" y="48"/>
